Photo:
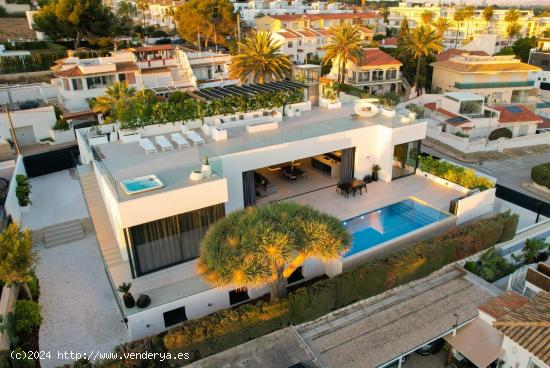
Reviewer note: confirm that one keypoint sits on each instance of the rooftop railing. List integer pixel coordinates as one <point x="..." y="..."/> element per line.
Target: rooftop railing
<point x="494" y="85"/>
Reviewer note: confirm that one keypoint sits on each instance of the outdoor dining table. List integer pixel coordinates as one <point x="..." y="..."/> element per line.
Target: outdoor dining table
<point x="358" y="184"/>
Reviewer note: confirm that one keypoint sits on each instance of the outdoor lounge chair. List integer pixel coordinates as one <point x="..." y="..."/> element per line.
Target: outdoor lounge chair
<point x="164" y="144"/>
<point x="178" y="139"/>
<point x="147" y="145"/>
<point x="195" y="137"/>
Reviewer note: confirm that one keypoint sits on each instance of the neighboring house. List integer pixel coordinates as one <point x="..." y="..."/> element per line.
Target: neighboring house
<point x="466" y="30"/>
<point x="390" y="43"/>
<point x="159" y="14"/>
<point x="500" y="79"/>
<point x="80" y="80"/>
<point x="376" y="74"/>
<point x="31" y="125"/>
<point x="301" y="44"/>
<point x="318" y="21"/>
<point x="13" y="6"/>
<point x="449" y="53"/>
<point x="466" y="113"/>
<point x="510" y="331"/>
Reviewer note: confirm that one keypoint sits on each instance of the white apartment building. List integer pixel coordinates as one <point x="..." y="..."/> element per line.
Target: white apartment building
<point x="275" y="23"/>
<point x="460" y="34"/>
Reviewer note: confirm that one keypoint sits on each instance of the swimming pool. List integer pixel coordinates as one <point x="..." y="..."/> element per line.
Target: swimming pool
<point x="373" y="228"/>
<point x="141" y="184"/>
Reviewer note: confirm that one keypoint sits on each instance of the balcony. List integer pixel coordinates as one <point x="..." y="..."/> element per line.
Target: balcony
<point x="493" y="85"/>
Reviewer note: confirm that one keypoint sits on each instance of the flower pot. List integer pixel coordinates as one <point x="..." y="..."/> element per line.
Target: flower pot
<point x="143" y="301"/>
<point x="129" y="301"/>
<point x="196" y="175"/>
<point x="375" y="176"/>
<point x="390" y="113"/>
<point x="206" y="170"/>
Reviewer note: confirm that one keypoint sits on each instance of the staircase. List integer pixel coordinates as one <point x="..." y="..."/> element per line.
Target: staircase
<point x="63" y="233"/>
<point x="100" y="219"/>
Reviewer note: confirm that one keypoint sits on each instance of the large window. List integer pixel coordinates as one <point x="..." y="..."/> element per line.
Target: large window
<point x="405" y="159"/>
<point x="471" y="107"/>
<point x="100" y="81"/>
<point x="77" y="84"/>
<point x="171" y="240"/>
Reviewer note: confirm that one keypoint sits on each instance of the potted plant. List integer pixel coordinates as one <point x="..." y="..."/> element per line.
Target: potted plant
<point x="389" y="100"/>
<point x="143" y="301"/>
<point x="127" y="297"/>
<point x="329" y="98"/>
<point x="206" y="169"/>
<point x="23" y="192"/>
<point x="196" y="175"/>
<point x="375" y="170"/>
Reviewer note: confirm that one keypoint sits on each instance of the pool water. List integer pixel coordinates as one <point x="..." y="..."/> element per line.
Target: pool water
<point x="373" y="228"/>
<point x="141" y="184"/>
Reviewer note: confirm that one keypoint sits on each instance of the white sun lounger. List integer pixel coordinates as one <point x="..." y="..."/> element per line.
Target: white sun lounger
<point x="178" y="139"/>
<point x="147" y="145"/>
<point x="164" y="144"/>
<point x="195" y="137"/>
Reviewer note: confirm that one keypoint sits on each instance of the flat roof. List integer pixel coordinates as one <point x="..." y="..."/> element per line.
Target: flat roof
<point x="128" y="160"/>
<point x="464" y="96"/>
<point x="376" y="331"/>
<point x="215" y="93"/>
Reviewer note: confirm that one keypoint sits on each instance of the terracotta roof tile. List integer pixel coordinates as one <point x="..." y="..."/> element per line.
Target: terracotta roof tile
<point x="152" y="48"/>
<point x="75" y="71"/>
<point x="377" y="57"/>
<point x="392" y="41"/>
<point x="516" y="114"/>
<point x="447" y="113"/>
<point x="529" y="326"/>
<point x="503" y="304"/>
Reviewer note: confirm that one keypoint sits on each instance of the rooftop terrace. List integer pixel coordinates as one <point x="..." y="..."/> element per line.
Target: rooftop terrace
<point x="127" y="160"/>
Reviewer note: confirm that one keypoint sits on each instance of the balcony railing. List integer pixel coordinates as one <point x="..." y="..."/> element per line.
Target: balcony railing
<point x="493" y="85"/>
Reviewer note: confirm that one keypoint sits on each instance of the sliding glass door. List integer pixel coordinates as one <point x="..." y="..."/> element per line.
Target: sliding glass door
<point x="172" y="240"/>
<point x="405" y="159"/>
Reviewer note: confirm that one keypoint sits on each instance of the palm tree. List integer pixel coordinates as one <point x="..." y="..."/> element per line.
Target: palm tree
<point x="427" y="17"/>
<point x="423" y="41"/>
<point x="441" y="26"/>
<point x="512" y="28"/>
<point x="468" y="13"/>
<point x="345" y="45"/>
<point x="458" y="17"/>
<point x="126" y="9"/>
<point x="490" y="266"/>
<point x="114" y="94"/>
<point x="142" y="5"/>
<point x="488" y="13"/>
<point x="263" y="245"/>
<point x="260" y="60"/>
<point x="531" y="250"/>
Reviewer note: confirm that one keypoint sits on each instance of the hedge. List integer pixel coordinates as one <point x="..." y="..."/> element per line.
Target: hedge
<point x="231" y="327"/>
<point x="455" y="174"/>
<point x="540" y="174"/>
<point x="500" y="133"/>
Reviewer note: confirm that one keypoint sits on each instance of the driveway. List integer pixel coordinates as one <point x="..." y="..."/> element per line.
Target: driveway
<point x="79" y="310"/>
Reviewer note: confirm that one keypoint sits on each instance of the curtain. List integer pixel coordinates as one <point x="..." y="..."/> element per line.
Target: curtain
<point x="171" y="240"/>
<point x="249" y="188"/>
<point x="347" y="171"/>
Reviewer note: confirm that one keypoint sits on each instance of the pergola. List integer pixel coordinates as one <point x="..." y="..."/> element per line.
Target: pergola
<point x="216" y="93"/>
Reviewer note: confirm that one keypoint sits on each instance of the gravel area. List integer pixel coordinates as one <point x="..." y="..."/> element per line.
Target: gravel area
<point x="79" y="310"/>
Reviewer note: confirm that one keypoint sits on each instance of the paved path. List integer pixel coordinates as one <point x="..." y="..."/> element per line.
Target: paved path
<point x="79" y="310"/>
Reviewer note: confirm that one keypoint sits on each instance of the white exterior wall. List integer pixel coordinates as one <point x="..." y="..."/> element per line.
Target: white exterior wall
<point x="12" y="204"/>
<point x="41" y="119"/>
<point x="516" y="356"/>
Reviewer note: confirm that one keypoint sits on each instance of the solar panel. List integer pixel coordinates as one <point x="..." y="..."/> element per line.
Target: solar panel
<point x="456" y="120"/>
<point x="513" y="109"/>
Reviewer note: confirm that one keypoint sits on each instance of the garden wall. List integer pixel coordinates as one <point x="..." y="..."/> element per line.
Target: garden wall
<point x="12" y="204"/>
<point x="7" y="304"/>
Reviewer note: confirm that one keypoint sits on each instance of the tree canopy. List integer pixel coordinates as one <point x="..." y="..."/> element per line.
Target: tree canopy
<point x="75" y="19"/>
<point x="17" y="258"/>
<point x="265" y="244"/>
<point x="214" y="20"/>
<point x="345" y="44"/>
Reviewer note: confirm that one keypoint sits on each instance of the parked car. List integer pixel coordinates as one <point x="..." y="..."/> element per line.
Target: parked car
<point x="432" y="348"/>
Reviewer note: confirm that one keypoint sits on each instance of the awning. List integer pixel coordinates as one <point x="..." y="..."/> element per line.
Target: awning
<point x="478" y="342"/>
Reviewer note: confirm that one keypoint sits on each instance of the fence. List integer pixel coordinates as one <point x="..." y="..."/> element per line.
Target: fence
<point x="523" y="200"/>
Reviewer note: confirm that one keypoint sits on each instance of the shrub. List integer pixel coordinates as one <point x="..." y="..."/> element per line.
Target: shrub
<point x="23" y="190"/>
<point x="416" y="109"/>
<point x="500" y="133"/>
<point x="27" y="316"/>
<point x="389" y="99"/>
<point x="540" y="174"/>
<point x="453" y="173"/>
<point x="61" y="124"/>
<point x="34" y="287"/>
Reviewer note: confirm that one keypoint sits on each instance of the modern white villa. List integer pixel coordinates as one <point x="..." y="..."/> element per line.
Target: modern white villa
<point x="151" y="198"/>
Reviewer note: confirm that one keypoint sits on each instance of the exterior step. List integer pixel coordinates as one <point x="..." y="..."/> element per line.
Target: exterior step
<point x="63" y="233"/>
